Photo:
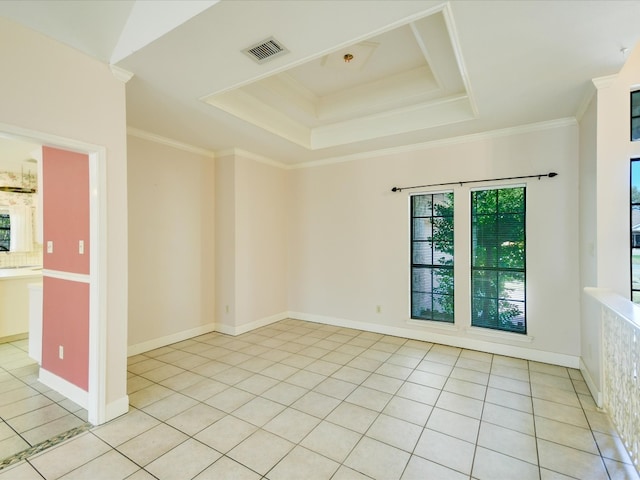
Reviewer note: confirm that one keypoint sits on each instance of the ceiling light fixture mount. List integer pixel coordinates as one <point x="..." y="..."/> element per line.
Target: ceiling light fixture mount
<point x="347" y="57"/>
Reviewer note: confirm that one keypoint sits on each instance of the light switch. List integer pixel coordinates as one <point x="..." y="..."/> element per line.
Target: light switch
<point x="81" y="247"/>
<point x="49" y="246"/>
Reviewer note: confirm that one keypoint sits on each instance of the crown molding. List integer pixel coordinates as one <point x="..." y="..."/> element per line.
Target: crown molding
<point x="504" y="132"/>
<point x="121" y="74"/>
<point x="152" y="137"/>
<point x="604" y="82"/>
<point x="251" y="156"/>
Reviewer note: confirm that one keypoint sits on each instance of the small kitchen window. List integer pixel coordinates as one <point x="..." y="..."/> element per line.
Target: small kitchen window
<point x="5" y="232"/>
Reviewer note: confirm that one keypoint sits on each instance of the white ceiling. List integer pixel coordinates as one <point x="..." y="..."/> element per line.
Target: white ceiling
<point x="422" y="70"/>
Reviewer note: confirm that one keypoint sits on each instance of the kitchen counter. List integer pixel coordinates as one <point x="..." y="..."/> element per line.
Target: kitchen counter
<point x="14" y="299"/>
<point x="11" y="273"/>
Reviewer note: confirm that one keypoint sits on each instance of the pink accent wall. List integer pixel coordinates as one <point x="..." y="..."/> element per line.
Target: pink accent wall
<point x="65" y="177"/>
<point x="66" y="323"/>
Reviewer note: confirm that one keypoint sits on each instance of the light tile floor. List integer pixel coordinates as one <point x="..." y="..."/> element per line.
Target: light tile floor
<point x="30" y="412"/>
<point x="298" y="400"/>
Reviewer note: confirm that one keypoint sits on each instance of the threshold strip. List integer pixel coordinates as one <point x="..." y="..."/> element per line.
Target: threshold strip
<point x="51" y="442"/>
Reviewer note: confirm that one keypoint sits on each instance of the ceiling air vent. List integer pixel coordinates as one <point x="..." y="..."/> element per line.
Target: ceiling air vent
<point x="265" y="50"/>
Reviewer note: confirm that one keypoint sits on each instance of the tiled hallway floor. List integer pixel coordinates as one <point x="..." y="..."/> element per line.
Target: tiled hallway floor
<point x="298" y="400"/>
<point x="30" y="413"/>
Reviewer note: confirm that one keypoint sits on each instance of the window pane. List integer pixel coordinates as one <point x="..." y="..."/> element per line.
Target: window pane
<point x="422" y="280"/>
<point x="635" y="129"/>
<point x="432" y="257"/>
<point x="484" y="244"/>
<point x="498" y="259"/>
<point x="442" y="253"/>
<point x="484" y="312"/>
<point x="485" y="283"/>
<point x="5" y="233"/>
<point x="511" y="200"/>
<point x="484" y="202"/>
<point x="635" y="182"/>
<point x="510" y="240"/>
<point x="422" y="229"/>
<point x="443" y="308"/>
<point x="420" y="305"/>
<point x="443" y="281"/>
<point x="422" y="253"/>
<point x="511" y="285"/>
<point x="634" y="227"/>
<point x="443" y="204"/>
<point x="511" y="316"/>
<point x="422" y="205"/>
<point x="635" y="269"/>
<point x="635" y="103"/>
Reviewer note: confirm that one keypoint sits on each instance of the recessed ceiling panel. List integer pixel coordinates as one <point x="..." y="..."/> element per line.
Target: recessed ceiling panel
<point x="387" y="54"/>
<point x="405" y="79"/>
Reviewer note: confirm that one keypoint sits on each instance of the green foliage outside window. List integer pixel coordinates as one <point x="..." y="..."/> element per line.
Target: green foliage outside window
<point x="498" y="259"/>
<point x="432" y="257"/>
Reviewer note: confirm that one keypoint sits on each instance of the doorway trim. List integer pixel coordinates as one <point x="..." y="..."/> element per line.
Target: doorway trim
<point x="95" y="399"/>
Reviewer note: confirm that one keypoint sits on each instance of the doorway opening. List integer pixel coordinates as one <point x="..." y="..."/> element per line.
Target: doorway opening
<point x="88" y="406"/>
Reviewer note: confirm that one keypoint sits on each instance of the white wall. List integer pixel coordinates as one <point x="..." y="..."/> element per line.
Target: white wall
<point x="171" y="244"/>
<point x="605" y="153"/>
<point x="225" y="243"/>
<point x="590" y="332"/>
<point x="251" y="199"/>
<point x="612" y="187"/>
<point x="349" y="240"/>
<point x="49" y="88"/>
<point x="261" y="241"/>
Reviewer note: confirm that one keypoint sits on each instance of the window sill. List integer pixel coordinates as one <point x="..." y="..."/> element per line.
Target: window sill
<point x="449" y="327"/>
<point x="487" y="332"/>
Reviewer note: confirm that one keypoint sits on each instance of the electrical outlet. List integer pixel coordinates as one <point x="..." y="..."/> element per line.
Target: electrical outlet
<point x="226" y="308"/>
<point x="81" y="247"/>
<point x="61" y="352"/>
<point x="378" y="308"/>
<point x="49" y="246"/>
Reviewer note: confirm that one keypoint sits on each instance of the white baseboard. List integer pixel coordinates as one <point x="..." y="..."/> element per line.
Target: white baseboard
<point x="64" y="387"/>
<point x="596" y="393"/>
<point x="247" y="327"/>
<point x="169" y="339"/>
<point x="117" y="408"/>
<point x="454" y="339"/>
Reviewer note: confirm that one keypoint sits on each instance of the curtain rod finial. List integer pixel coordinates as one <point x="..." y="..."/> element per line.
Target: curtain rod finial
<point x="552" y="174"/>
<point x="396" y="189"/>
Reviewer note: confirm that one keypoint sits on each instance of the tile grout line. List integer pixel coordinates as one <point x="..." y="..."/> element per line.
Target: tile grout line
<point x="340" y="365"/>
<point x="595" y="440"/>
<point x="44" y="444"/>
<point x="484" y="402"/>
<point x="533" y="417"/>
<point x="433" y="408"/>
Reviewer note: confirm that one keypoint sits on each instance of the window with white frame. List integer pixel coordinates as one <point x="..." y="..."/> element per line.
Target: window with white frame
<point x="432" y="257"/>
<point x="498" y="259"/>
<point x="635" y="116"/>
<point x="634" y="215"/>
